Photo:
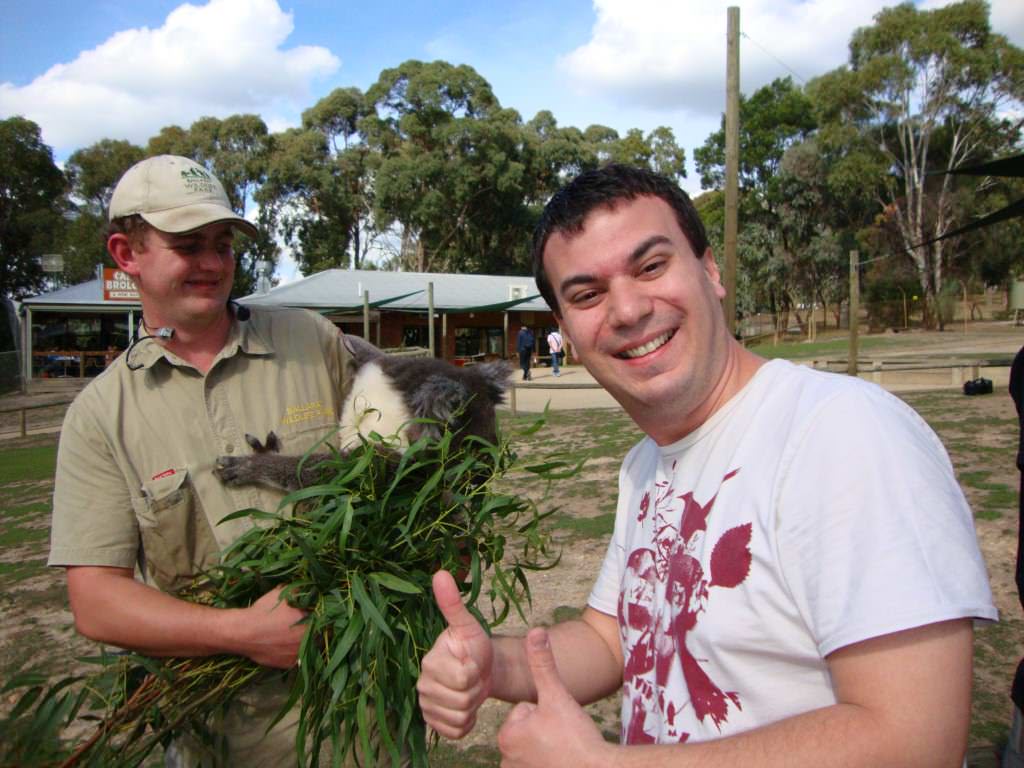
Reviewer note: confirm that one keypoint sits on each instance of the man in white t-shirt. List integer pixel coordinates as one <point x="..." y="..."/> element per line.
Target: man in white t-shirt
<point x="555" y="348"/>
<point x="794" y="572"/>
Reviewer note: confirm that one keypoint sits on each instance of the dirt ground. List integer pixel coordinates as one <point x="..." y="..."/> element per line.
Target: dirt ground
<point x="35" y="615"/>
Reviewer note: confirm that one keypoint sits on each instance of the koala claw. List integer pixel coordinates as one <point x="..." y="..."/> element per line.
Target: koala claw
<point x="231" y="470"/>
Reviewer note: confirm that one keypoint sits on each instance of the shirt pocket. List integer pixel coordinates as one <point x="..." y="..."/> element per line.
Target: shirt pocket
<point x="177" y="539"/>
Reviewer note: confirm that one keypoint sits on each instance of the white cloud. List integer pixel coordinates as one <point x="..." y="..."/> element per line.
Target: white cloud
<point x="219" y="59"/>
<point x="670" y="54"/>
<point x="1007" y="18"/>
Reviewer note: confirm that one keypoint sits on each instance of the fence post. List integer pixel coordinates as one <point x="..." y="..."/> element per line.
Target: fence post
<point x="512" y="398"/>
<point x="851" y="359"/>
<point x="24" y="422"/>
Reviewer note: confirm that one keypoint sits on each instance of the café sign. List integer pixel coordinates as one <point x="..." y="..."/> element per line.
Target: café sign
<point x="118" y="286"/>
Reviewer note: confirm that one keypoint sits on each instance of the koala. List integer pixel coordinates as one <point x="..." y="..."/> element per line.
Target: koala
<point x="387" y="395"/>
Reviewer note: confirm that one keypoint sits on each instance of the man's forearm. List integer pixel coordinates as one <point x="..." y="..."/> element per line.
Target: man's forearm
<point x="586" y="663"/>
<point x="111" y="607"/>
<point x="843" y="734"/>
<point x="904" y="701"/>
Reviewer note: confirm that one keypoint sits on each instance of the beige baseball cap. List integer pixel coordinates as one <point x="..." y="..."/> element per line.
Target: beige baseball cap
<point x="174" y="194"/>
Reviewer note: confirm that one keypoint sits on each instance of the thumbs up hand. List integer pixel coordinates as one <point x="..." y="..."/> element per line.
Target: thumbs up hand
<point x="455" y="676"/>
<point x="555" y="731"/>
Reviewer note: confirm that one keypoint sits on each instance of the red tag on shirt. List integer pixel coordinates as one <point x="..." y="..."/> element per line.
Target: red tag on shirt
<point x="165" y="473"/>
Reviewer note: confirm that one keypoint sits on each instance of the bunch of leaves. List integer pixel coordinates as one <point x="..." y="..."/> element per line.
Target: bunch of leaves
<point x="358" y="555"/>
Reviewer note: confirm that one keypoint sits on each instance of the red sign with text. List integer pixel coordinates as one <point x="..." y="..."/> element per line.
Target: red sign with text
<point x="118" y="286"/>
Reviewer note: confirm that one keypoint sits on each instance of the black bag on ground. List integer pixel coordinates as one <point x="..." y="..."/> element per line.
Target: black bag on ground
<point x="979" y="386"/>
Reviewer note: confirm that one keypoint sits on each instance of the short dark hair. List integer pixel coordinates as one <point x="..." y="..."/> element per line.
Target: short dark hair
<point x="567" y="210"/>
<point x="133" y="226"/>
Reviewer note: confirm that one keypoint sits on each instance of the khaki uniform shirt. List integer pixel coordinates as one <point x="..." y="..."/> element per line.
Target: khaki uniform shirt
<point x="135" y="483"/>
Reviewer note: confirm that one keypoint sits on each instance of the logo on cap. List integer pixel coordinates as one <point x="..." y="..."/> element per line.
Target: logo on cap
<point x="197" y="180"/>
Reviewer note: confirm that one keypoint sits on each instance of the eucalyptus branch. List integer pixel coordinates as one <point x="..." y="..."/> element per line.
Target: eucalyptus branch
<point x="358" y="555"/>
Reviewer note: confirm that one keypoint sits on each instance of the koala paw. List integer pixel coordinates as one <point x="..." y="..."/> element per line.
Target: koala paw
<point x="233" y="470"/>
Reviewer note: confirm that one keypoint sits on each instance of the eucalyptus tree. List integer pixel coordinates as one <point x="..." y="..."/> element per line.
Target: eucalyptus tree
<point x="818" y="227"/>
<point x="927" y="91"/>
<point x="32" y="198"/>
<point x="450" y="170"/>
<point x="92" y="174"/>
<point x="772" y="119"/>
<point x="320" y="184"/>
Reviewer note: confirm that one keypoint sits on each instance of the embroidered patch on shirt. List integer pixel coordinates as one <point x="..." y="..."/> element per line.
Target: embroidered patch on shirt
<point x="297" y="414"/>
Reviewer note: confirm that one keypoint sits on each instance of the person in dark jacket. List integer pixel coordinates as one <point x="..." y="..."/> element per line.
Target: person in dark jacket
<point x="524" y="345"/>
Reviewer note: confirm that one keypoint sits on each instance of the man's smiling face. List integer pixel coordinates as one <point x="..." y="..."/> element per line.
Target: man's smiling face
<point x="643" y="311"/>
<point x="186" y="278"/>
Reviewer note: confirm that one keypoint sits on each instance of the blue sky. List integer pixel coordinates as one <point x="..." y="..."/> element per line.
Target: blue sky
<point x="124" y="68"/>
<point x="94" y="69"/>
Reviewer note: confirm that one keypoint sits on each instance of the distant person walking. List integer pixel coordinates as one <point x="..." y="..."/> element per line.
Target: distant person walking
<point x="524" y="345"/>
<point x="555" y="348"/>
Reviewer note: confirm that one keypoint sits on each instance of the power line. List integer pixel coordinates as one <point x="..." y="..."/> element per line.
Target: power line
<point x="776" y="58"/>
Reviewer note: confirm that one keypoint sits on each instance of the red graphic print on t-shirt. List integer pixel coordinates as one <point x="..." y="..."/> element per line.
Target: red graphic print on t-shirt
<point x="664" y="591"/>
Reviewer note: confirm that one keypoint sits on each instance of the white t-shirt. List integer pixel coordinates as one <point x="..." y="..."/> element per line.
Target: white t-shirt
<point x="811" y="512"/>
<point x="554" y="341"/>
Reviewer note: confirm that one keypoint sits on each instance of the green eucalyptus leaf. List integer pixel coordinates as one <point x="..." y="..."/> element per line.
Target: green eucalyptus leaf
<point x="394" y="583"/>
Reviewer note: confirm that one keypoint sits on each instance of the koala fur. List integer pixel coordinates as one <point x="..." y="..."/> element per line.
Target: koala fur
<point x="387" y="395"/>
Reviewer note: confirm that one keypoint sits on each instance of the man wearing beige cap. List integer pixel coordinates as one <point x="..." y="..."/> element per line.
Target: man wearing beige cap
<point x="136" y="504"/>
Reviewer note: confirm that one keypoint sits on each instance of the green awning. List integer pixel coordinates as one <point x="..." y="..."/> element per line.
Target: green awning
<point x="499" y="307"/>
<point x="371" y="304"/>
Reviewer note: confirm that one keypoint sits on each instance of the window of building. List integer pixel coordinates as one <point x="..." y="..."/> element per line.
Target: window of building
<point x="477" y="341"/>
<point x="76" y="344"/>
<point x="415" y="336"/>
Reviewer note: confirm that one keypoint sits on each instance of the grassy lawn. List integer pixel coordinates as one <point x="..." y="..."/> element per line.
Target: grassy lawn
<point x="979" y="433"/>
<point x="833" y="345"/>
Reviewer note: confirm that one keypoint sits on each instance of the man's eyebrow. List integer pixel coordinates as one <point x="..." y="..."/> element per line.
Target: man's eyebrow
<point x="637" y="253"/>
<point x="641" y="250"/>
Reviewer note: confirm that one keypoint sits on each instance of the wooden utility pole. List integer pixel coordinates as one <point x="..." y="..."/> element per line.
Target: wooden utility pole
<point x="966" y="306"/>
<point x="366" y="315"/>
<point x="851" y="361"/>
<point x="732" y="160"/>
<point x="430" y="318"/>
<point x="504" y="340"/>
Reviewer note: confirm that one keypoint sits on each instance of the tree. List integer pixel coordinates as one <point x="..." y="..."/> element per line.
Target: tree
<point x="773" y="119"/>
<point x="553" y="155"/>
<point x="657" y="151"/>
<point x="92" y="174"/>
<point x="450" y="170"/>
<point x="32" y="197"/>
<point x="927" y="91"/>
<point x="320" y="181"/>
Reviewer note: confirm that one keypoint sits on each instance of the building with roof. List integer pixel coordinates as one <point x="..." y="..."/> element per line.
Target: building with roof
<point x="76" y="331"/>
<point x="475" y="316"/>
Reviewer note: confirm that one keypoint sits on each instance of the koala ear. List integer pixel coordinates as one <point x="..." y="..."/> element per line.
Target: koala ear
<point x="496" y="377"/>
<point x="361" y="350"/>
<point x="438" y="398"/>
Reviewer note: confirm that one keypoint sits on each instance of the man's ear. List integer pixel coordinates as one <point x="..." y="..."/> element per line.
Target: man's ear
<point x="711" y="270"/>
<point x="120" y="250"/>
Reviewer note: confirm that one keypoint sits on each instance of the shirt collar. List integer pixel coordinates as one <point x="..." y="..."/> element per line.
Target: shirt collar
<point x="242" y="337"/>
